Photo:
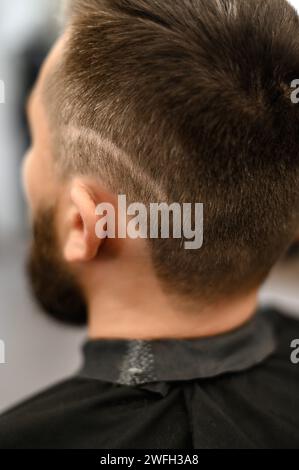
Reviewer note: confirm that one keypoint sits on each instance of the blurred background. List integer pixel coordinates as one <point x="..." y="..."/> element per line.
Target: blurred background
<point x="39" y="352"/>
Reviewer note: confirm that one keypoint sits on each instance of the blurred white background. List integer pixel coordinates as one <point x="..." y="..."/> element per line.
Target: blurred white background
<point x="38" y="351"/>
<point x="295" y="3"/>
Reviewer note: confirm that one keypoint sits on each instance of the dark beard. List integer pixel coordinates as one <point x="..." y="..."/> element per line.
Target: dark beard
<point x="53" y="286"/>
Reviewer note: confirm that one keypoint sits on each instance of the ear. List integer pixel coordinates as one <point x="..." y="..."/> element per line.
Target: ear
<point x="81" y="243"/>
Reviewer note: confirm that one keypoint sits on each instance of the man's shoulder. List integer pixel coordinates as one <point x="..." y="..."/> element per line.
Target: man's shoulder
<point x="78" y="413"/>
<point x="36" y="422"/>
<point x="286" y="326"/>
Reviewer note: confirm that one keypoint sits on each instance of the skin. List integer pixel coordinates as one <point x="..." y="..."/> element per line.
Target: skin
<point x="124" y="296"/>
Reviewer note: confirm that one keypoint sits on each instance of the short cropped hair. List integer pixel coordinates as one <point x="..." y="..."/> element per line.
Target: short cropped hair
<point x="189" y="101"/>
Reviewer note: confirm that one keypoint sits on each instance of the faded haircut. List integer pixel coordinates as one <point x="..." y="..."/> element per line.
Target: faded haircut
<point x="188" y="101"/>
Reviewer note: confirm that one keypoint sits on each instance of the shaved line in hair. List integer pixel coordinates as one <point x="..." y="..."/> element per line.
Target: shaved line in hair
<point x="109" y="151"/>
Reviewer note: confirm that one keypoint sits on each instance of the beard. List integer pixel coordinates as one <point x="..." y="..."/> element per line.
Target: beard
<point x="53" y="285"/>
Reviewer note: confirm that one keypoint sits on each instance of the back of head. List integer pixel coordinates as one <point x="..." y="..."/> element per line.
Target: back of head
<point x="189" y="101"/>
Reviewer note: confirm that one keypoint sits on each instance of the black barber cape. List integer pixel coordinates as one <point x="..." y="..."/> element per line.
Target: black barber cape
<point x="236" y="390"/>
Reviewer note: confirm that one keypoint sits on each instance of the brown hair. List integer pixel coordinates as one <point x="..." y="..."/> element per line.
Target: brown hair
<point x="189" y="101"/>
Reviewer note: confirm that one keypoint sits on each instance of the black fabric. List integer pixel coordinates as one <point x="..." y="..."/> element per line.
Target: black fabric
<point x="251" y="406"/>
<point x="140" y="362"/>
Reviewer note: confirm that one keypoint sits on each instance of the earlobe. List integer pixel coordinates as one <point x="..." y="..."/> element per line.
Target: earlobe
<point x="75" y="248"/>
<point x="81" y="244"/>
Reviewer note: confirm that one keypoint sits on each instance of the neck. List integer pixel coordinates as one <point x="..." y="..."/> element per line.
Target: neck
<point x="126" y="301"/>
<point x="143" y="311"/>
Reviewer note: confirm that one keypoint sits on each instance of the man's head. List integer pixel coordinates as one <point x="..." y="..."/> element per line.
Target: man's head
<point x="166" y="101"/>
